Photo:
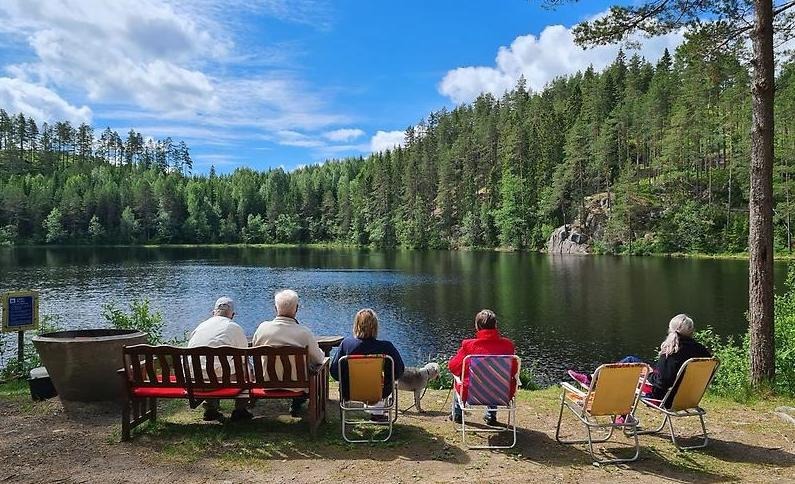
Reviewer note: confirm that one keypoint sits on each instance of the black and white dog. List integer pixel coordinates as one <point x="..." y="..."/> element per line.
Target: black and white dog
<point x="416" y="379"/>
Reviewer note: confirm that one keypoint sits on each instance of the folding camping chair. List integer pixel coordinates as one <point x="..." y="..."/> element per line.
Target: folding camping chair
<point x="363" y="377"/>
<point x="613" y="392"/>
<point x="684" y="397"/>
<point x="491" y="386"/>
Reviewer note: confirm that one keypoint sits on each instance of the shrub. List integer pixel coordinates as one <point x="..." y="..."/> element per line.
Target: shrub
<point x="140" y="317"/>
<point x="732" y="377"/>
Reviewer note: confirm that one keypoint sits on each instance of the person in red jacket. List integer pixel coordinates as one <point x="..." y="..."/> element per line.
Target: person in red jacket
<point x="487" y="341"/>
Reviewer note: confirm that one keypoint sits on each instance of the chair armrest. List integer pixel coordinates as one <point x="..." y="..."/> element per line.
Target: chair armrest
<point x="567" y="387"/>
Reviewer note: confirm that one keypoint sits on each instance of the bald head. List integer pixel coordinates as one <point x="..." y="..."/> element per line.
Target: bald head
<point x="286" y="303"/>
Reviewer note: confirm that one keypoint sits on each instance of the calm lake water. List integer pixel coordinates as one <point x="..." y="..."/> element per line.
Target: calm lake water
<point x="562" y="311"/>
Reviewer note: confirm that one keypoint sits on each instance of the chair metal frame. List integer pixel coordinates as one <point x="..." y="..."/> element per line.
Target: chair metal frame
<point x="583" y="413"/>
<point x="390" y="403"/>
<point x="510" y="408"/>
<point x="669" y="415"/>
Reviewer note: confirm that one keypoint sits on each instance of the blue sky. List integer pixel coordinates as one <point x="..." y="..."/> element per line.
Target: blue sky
<point x="279" y="82"/>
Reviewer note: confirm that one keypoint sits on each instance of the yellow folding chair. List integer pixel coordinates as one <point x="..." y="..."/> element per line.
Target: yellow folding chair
<point x="684" y="397"/>
<point x="362" y="376"/>
<point x="613" y="392"/>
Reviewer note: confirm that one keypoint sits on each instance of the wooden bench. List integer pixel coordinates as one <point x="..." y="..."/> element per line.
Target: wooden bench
<point x="197" y="374"/>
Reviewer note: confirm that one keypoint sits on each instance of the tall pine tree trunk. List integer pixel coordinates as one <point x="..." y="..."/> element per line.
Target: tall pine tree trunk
<point x="760" y="236"/>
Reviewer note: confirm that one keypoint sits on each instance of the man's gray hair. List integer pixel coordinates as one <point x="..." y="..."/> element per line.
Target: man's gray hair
<point x="286" y="302"/>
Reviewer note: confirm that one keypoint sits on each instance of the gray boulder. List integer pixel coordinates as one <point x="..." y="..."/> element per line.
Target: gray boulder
<point x="568" y="239"/>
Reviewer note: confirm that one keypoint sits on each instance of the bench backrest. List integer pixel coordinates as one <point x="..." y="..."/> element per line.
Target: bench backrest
<point x="207" y="368"/>
<point x="279" y="367"/>
<point x="216" y="367"/>
<point x="154" y="366"/>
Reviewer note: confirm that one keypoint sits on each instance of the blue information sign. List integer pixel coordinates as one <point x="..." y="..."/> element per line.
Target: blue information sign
<point x="20" y="310"/>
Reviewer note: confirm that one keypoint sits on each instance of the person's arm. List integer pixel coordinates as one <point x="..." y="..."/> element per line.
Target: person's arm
<point x="316" y="355"/>
<point x="255" y="340"/>
<point x="665" y="375"/>
<point x="399" y="366"/>
<point x="457" y="362"/>
<point x="341" y="351"/>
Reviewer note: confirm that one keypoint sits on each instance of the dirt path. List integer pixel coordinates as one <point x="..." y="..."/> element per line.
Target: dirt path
<point x="41" y="442"/>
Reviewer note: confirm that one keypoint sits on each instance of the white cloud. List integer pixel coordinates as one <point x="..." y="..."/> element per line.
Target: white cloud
<point x="343" y="135"/>
<point x="386" y="140"/>
<point x="293" y="138"/>
<point x="167" y="62"/>
<point x="130" y="51"/>
<point x="540" y="59"/>
<point x="18" y="96"/>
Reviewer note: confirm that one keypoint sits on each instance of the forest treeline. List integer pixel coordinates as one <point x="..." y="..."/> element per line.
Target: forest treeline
<point x="666" y="146"/>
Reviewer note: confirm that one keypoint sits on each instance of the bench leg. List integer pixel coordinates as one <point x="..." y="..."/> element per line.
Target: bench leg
<point x="152" y="409"/>
<point x="312" y="414"/>
<point x="125" y="421"/>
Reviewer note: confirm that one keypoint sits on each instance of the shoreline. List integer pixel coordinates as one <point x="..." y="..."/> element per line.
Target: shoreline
<point x="335" y="245"/>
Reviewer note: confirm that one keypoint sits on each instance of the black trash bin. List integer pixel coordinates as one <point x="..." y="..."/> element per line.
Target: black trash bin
<point x="41" y="387"/>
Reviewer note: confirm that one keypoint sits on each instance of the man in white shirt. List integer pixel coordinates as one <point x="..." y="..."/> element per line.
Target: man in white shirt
<point x="220" y="330"/>
<point x="284" y="330"/>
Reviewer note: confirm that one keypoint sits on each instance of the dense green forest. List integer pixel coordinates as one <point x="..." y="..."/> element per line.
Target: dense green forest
<point x="665" y="149"/>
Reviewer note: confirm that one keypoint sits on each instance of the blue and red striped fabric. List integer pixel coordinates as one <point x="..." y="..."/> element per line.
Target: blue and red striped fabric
<point x="490" y="379"/>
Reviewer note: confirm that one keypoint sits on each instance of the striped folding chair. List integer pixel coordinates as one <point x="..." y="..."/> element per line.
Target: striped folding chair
<point x="361" y="390"/>
<point x="684" y="397"/>
<point x="488" y="382"/>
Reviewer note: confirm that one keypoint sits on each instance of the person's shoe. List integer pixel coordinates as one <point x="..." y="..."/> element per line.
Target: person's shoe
<point x="625" y="420"/>
<point x="379" y="418"/>
<point x="456" y="419"/>
<point x="581" y="378"/>
<point x="240" y="414"/>
<point x="490" y="419"/>
<point x="213" y="415"/>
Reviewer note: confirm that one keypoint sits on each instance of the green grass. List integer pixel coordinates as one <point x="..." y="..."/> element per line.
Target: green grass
<point x="14" y="389"/>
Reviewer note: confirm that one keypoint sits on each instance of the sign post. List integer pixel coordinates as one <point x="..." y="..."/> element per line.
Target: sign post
<point x="20" y="313"/>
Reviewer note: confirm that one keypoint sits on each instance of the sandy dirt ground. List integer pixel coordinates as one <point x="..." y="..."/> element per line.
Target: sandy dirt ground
<point x="44" y="442"/>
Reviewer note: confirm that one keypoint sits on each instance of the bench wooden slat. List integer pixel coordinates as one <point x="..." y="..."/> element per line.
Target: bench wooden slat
<point x="165" y="368"/>
<point x="150" y="368"/>
<point x="271" y="370"/>
<point x="241" y="369"/>
<point x="226" y="373"/>
<point x="209" y="367"/>
<point x="301" y="364"/>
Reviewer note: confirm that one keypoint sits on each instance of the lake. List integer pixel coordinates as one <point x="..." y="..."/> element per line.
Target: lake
<point x="562" y="311"/>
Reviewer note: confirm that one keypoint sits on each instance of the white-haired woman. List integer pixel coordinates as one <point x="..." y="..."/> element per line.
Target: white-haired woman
<point x="678" y="347"/>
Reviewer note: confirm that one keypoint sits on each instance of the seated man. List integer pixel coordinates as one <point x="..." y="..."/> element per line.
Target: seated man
<point x="487" y="341"/>
<point x="284" y="330"/>
<point x="220" y="330"/>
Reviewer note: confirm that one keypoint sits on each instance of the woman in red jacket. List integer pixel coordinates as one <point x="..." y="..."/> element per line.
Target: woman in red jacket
<point x="487" y="341"/>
